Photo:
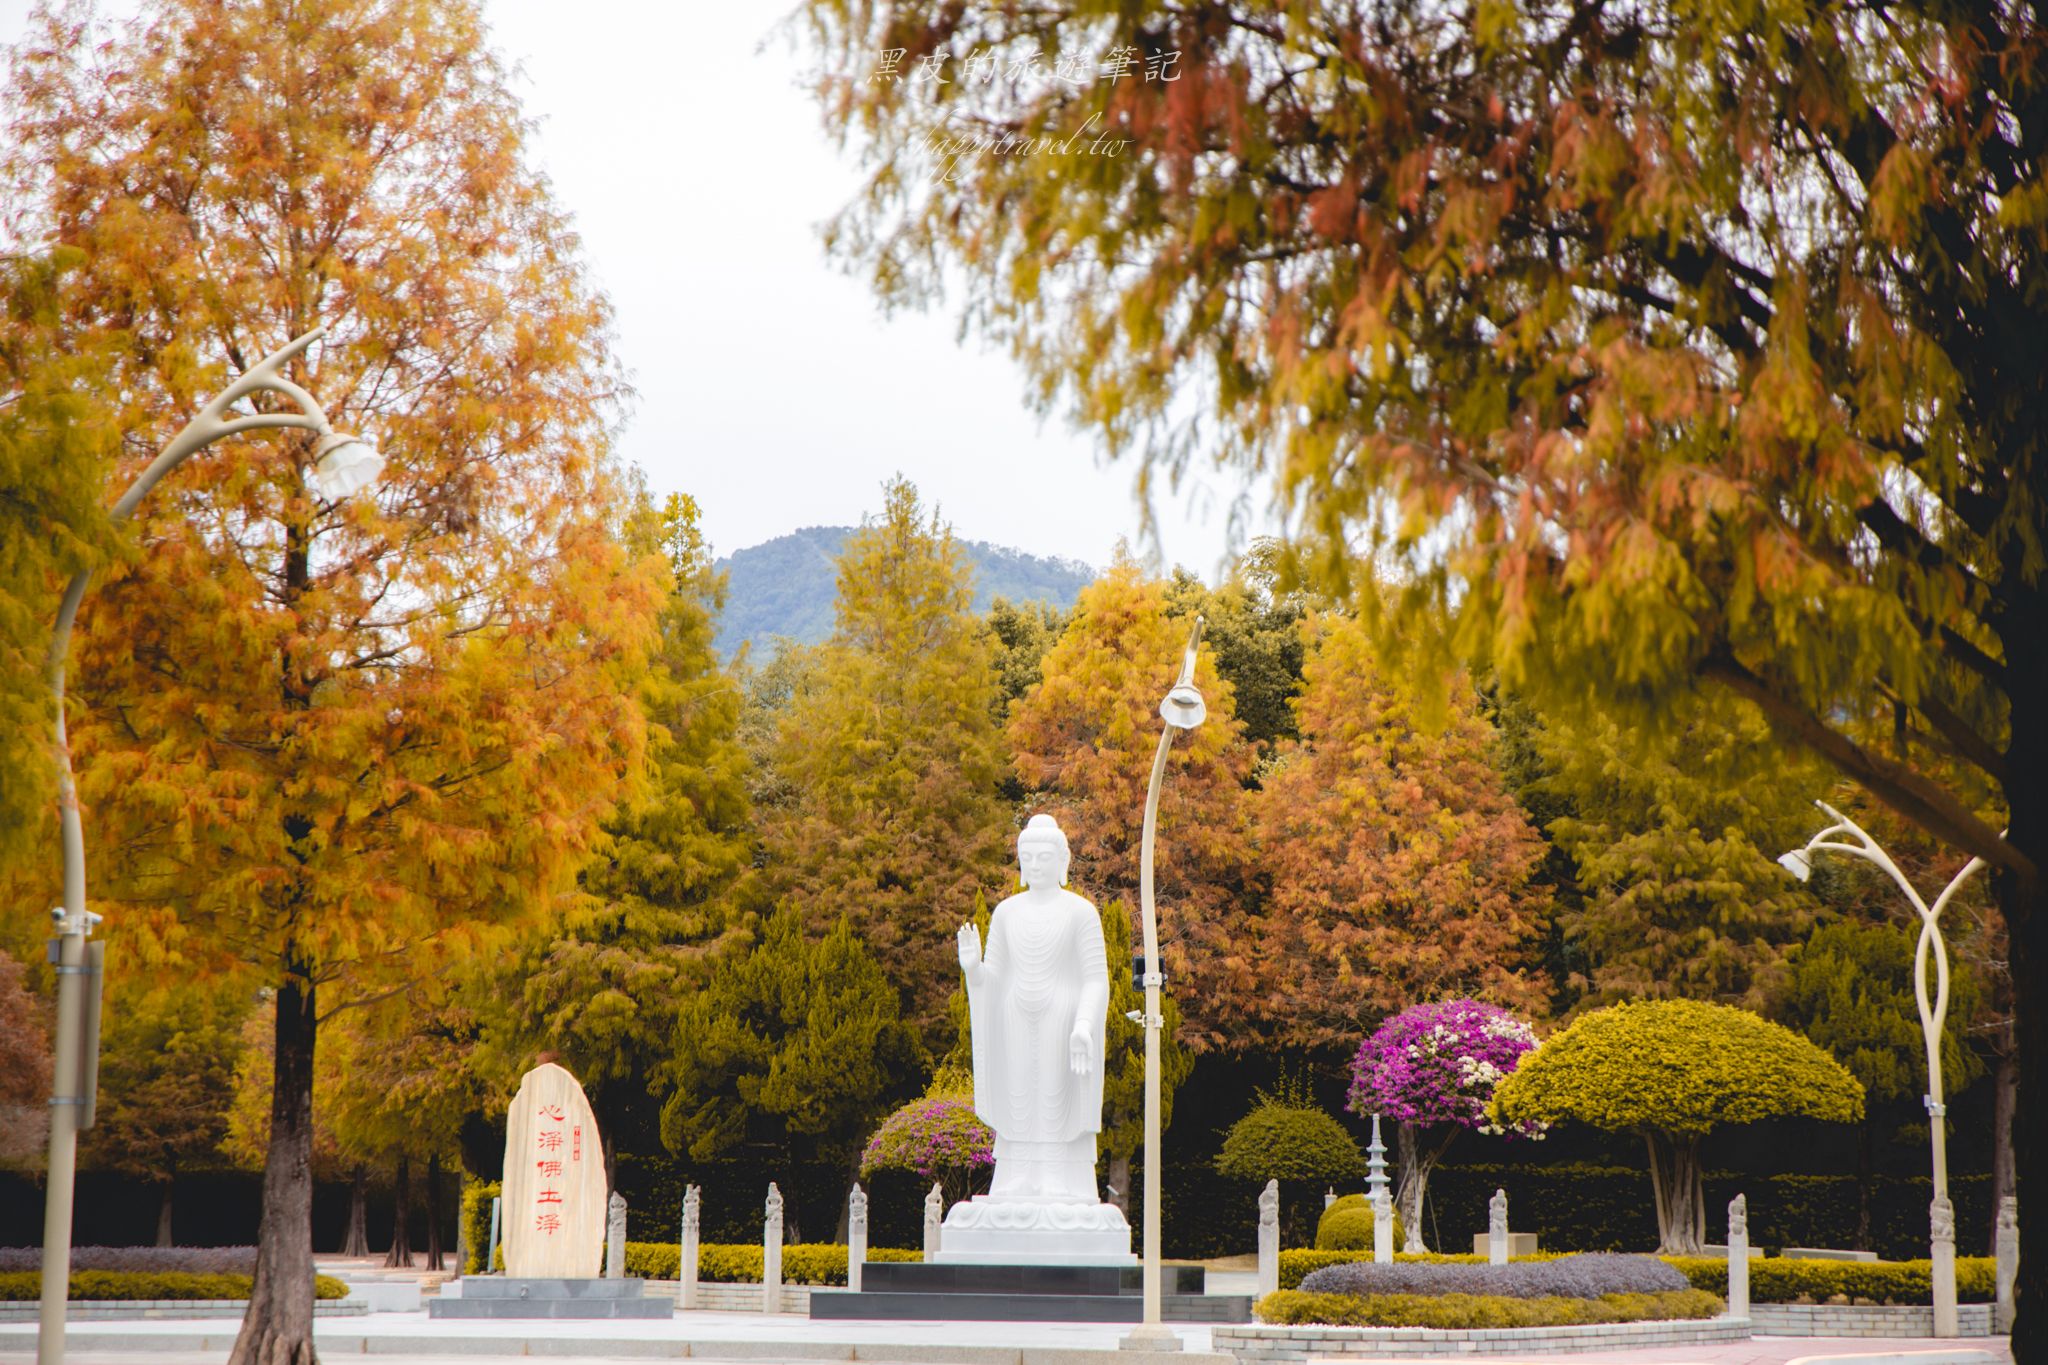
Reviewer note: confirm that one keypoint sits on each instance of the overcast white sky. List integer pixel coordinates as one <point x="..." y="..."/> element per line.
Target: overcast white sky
<point x="769" y="385"/>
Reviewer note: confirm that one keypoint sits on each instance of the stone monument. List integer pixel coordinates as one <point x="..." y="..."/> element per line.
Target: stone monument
<point x="615" y="1238"/>
<point x="554" y="1215"/>
<point x="1941" y="1219"/>
<point x="934" y="1219"/>
<point x="1269" y="1238"/>
<point x="1738" y="1257"/>
<point x="856" y="1236"/>
<point x="2007" y="1247"/>
<point x="554" y="1180"/>
<point x="1038" y="1006"/>
<point x="771" y="1253"/>
<point x="1497" y="1228"/>
<point x="693" y="1231"/>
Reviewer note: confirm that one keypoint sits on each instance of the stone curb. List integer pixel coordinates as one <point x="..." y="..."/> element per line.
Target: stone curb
<point x="902" y="1353"/>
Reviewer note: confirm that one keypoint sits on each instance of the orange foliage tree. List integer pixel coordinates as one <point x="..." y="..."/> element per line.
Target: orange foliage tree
<point x="1396" y="862"/>
<point x="326" y="739"/>
<point x="1083" y="740"/>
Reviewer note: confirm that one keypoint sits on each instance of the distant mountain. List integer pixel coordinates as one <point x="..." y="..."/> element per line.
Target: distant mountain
<point x="787" y="586"/>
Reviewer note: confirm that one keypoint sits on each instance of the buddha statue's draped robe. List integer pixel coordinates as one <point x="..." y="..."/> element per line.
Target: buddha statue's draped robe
<point x="1043" y="973"/>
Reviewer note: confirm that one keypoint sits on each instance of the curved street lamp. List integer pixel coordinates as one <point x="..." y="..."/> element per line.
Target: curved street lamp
<point x="1182" y="709"/>
<point x="1846" y="836"/>
<point x="343" y="464"/>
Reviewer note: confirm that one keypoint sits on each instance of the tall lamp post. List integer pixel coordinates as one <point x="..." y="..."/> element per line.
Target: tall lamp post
<point x="1846" y="836"/>
<point x="342" y="465"/>
<point x="1182" y="709"/>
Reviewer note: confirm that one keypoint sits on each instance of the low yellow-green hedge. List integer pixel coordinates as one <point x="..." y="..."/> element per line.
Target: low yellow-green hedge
<point x="21" y="1286"/>
<point x="740" y="1262"/>
<point x="1776" y="1279"/>
<point x="1291" y="1307"/>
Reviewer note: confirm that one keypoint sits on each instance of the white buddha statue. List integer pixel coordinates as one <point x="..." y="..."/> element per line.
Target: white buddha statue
<point x="1038" y="1009"/>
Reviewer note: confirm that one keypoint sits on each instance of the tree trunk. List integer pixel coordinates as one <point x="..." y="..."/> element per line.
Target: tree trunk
<point x="435" y="1260"/>
<point x="278" y="1327"/>
<point x="1120" y="1183"/>
<point x="1413" y="1161"/>
<point x="2005" y="1082"/>
<point x="1676" y="1185"/>
<point x="401" y="1215"/>
<point x="163" y="1213"/>
<point x="357" y="1240"/>
<point x="1864" y="1163"/>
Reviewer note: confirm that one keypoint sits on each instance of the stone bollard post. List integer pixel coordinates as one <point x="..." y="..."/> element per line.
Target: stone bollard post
<point x="934" y="1218"/>
<point x="1269" y="1238"/>
<point x="771" y="1253"/>
<point x="686" y="1262"/>
<point x="2008" y="1250"/>
<point x="615" y="1237"/>
<point x="1382" y="1227"/>
<point x="1738" y="1257"/>
<point x="1941" y="1218"/>
<point x="490" y="1261"/>
<point x="856" y="1236"/>
<point x="1497" y="1228"/>
<point x="1329" y="1198"/>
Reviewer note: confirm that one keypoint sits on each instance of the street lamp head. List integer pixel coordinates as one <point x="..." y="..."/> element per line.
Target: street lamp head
<point x="344" y="464"/>
<point x="1797" y="863"/>
<point x="1183" y="707"/>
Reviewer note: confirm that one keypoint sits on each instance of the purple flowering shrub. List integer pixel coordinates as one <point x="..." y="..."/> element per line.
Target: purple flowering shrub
<point x="1439" y="1063"/>
<point x="1574" y="1277"/>
<point x="937" y="1137"/>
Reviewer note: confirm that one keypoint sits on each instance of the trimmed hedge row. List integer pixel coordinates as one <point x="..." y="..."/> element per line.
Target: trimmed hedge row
<point x="155" y="1260"/>
<point x="1774" y="1279"/>
<point x="1291" y="1307"/>
<point x="731" y="1263"/>
<point x="21" y="1286"/>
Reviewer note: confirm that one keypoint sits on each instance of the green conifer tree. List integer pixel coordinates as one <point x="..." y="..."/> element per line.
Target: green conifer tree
<point x="1674" y="836"/>
<point x="891" y="752"/>
<point x="793" y="1049"/>
<point x="1849" y="988"/>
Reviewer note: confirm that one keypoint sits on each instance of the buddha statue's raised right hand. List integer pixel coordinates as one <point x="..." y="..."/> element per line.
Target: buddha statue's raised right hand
<point x="970" y="949"/>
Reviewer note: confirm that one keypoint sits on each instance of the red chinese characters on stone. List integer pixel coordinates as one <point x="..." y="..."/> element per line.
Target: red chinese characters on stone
<point x="550" y="1141"/>
<point x="549" y="1196"/>
<point x="550" y="1223"/>
<point x="576" y="1146"/>
<point x="549" y="1168"/>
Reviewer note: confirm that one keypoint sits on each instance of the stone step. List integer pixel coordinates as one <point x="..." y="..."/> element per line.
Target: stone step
<point x="926" y="1277"/>
<point x="1034" y="1307"/>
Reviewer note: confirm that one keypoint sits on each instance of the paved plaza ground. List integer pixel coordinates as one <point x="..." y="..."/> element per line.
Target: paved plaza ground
<point x="399" y="1338"/>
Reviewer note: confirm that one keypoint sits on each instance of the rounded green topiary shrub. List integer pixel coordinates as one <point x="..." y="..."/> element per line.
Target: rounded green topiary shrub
<point x="1347" y="1226"/>
<point x="1281" y="1139"/>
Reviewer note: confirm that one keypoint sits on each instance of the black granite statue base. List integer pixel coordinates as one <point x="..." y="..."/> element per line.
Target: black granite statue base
<point x="500" y="1296"/>
<point x="914" y="1290"/>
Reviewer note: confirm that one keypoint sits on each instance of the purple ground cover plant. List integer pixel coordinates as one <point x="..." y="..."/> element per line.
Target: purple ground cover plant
<point x="1576" y="1277"/>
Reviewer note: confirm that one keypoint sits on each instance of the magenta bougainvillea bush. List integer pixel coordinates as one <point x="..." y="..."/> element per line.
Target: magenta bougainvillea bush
<point x="1439" y="1063"/>
<point x="937" y="1137"/>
